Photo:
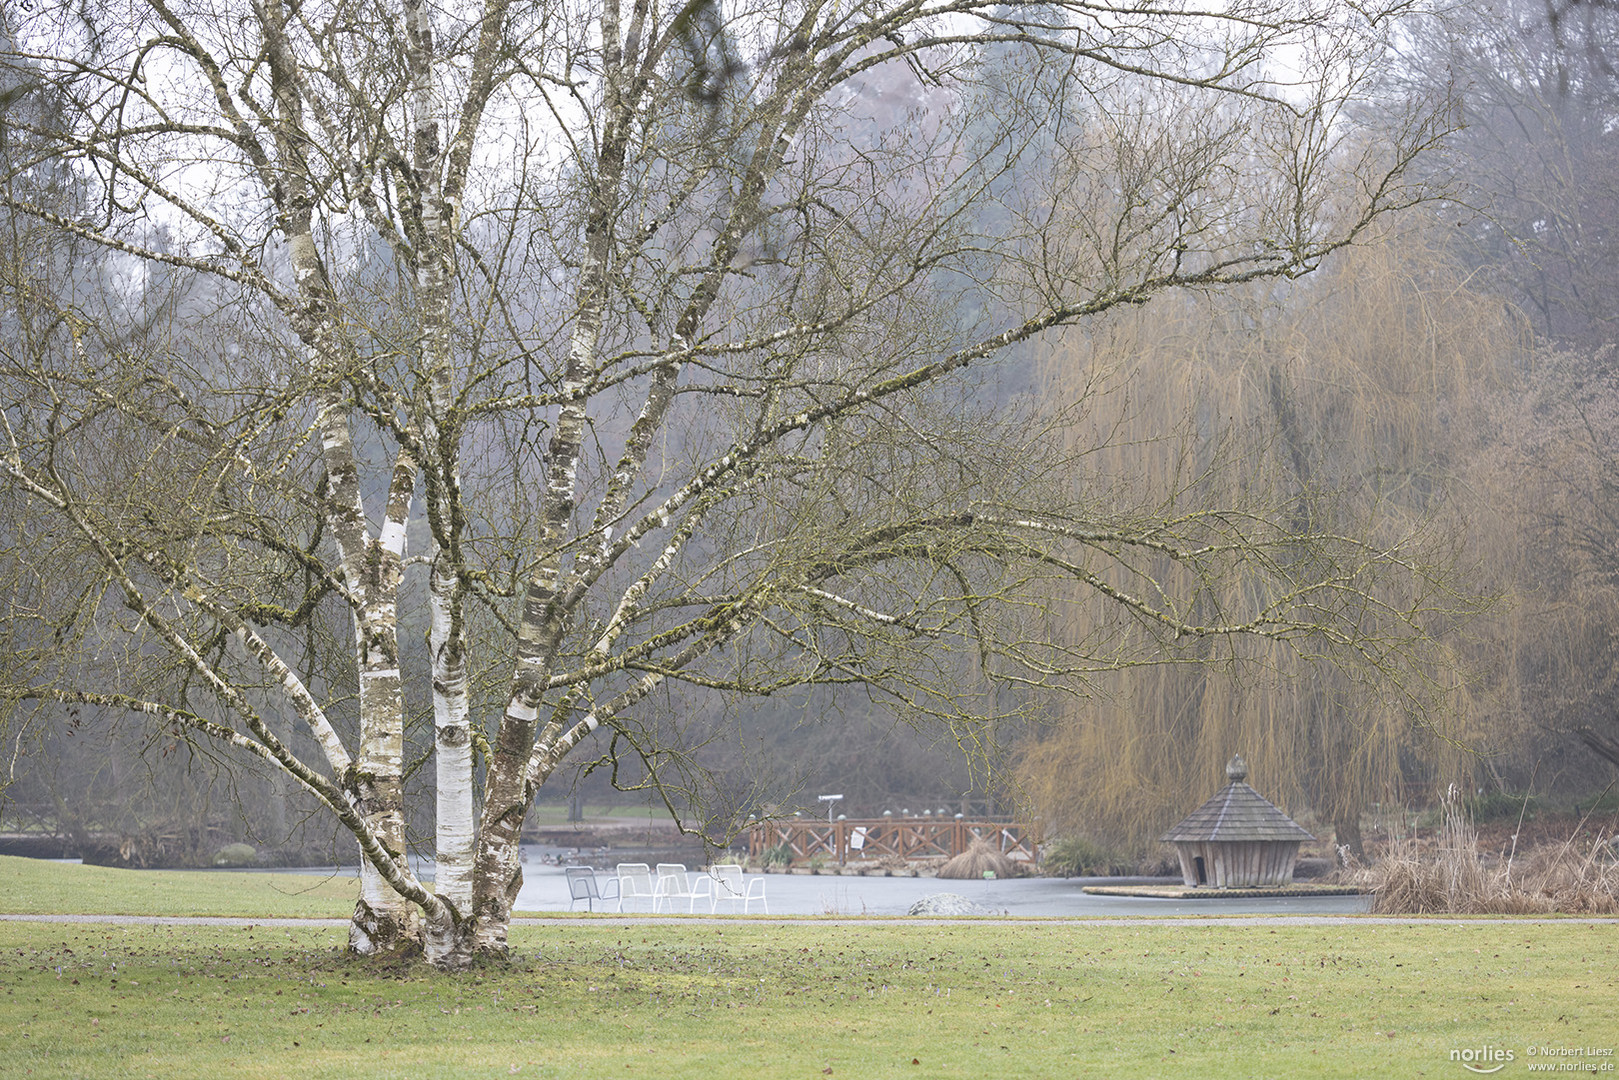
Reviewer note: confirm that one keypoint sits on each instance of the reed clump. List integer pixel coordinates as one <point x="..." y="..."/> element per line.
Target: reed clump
<point x="976" y="861"/>
<point x="1456" y="877"/>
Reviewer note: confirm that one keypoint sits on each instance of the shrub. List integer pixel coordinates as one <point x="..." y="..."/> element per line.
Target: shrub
<point x="1502" y="806"/>
<point x="1486" y="807"/>
<point x="1605" y="803"/>
<point x="236" y="855"/>
<point x="1075" y="856"/>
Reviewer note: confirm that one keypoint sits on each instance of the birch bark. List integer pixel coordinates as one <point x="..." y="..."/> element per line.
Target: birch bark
<point x="442" y="173"/>
<point x="372" y="565"/>
<point x="507" y="792"/>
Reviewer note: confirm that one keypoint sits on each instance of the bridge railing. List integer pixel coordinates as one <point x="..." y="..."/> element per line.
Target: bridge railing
<point x="904" y="838"/>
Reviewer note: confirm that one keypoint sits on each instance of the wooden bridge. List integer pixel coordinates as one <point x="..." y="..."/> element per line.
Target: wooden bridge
<point x="878" y="838"/>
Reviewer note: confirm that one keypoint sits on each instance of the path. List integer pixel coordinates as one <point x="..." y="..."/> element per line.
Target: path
<point x="869" y="920"/>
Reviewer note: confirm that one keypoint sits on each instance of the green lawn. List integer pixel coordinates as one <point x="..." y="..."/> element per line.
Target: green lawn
<point x="37" y="887"/>
<point x="556" y="813"/>
<point x="678" y="999"/>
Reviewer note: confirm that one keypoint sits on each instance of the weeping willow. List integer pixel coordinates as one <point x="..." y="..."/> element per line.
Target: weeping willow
<point x="1354" y="400"/>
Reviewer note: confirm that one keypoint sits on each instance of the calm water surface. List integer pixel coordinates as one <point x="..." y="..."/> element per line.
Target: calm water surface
<point x="545" y="890"/>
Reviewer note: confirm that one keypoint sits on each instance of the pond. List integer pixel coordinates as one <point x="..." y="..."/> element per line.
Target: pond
<point x="545" y="889"/>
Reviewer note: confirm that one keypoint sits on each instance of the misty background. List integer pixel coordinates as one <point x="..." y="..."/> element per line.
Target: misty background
<point x="1455" y="376"/>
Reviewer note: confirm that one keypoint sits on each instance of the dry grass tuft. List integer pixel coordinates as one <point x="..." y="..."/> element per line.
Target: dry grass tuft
<point x="1457" y="878"/>
<point x="973" y="862"/>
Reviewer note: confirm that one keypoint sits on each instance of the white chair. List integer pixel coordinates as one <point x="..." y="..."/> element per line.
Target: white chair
<point x="675" y="884"/>
<point x="582" y="886"/>
<point x="731" y="887"/>
<point x="704" y="887"/>
<point x="635" y="883"/>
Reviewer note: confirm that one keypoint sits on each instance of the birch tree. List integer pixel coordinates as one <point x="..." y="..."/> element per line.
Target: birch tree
<point x="652" y="330"/>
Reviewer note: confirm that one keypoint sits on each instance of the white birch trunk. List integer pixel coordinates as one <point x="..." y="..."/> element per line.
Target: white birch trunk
<point x="455" y="831"/>
<point x="446" y="940"/>
<point x="383" y="919"/>
<point x="507" y="792"/>
<point x="372" y="569"/>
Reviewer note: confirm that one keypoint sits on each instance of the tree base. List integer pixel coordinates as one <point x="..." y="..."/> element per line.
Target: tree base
<point x="450" y="945"/>
<point x="383" y="933"/>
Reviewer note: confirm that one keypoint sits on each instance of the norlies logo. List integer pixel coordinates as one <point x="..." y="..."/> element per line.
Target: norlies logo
<point x="1484" y="1059"/>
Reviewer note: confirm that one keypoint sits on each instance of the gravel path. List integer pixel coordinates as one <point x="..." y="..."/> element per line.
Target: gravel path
<point x="869" y="920"/>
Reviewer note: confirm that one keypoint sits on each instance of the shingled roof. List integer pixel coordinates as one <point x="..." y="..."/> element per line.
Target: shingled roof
<point x="1237" y="813"/>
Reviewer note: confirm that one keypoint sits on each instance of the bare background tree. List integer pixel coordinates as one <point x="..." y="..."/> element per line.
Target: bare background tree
<point x="1539" y="162"/>
<point x="1536" y="157"/>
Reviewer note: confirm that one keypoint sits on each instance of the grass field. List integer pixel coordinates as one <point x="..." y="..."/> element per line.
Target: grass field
<point x="679" y="999"/>
<point x="37" y="887"/>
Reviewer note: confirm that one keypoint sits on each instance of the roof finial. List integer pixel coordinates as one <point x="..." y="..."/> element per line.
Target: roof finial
<point x="1236" y="769"/>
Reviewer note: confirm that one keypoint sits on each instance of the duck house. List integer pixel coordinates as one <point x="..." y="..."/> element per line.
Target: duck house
<point x="1238" y="839"/>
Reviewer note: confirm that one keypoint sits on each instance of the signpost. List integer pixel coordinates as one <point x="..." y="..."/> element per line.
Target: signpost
<point x="832" y="801"/>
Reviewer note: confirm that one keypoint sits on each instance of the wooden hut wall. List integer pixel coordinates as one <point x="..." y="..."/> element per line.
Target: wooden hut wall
<point x="1242" y="864"/>
<point x="1190" y="852"/>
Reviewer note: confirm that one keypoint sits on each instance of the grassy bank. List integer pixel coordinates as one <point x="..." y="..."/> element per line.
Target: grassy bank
<point x="682" y="1000"/>
<point x="677" y="999"/>
<point x="37" y="887"/>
